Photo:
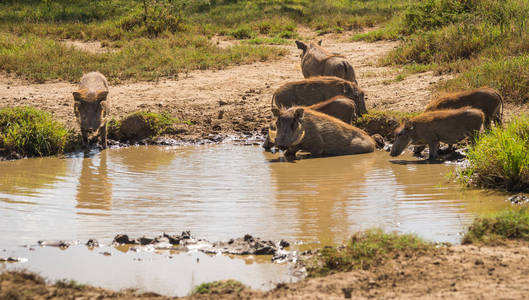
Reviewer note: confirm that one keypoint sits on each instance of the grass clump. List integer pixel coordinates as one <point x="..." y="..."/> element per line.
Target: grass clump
<point x="31" y="132"/>
<point x="499" y="159"/>
<point x="70" y="284"/>
<point x="219" y="287"/>
<point x="140" y="125"/>
<point x="493" y="229"/>
<point x="363" y="251"/>
<point x="382" y="122"/>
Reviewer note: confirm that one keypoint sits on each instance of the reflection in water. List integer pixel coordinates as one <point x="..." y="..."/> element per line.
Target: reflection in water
<point x="221" y="192"/>
<point x="94" y="190"/>
<point x="315" y="193"/>
<point x="140" y="160"/>
<point x="20" y="178"/>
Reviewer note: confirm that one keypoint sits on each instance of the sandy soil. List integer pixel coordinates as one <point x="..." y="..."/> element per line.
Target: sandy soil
<point x="455" y="272"/>
<point x="458" y="272"/>
<point x="235" y="100"/>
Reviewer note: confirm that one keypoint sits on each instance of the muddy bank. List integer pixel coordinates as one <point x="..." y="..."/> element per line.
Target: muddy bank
<point x="462" y="272"/>
<point x="185" y="242"/>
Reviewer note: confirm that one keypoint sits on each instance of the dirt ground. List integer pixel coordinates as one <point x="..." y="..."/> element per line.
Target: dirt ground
<point x="235" y="100"/>
<point x="455" y="272"/>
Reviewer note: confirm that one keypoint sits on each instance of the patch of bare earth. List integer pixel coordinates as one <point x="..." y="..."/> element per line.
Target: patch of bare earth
<point x="94" y="47"/>
<point x="235" y="100"/>
<point x="458" y="272"/>
<point x="455" y="272"/>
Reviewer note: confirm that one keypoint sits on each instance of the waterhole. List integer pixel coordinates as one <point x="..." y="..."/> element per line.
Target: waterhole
<point x="217" y="192"/>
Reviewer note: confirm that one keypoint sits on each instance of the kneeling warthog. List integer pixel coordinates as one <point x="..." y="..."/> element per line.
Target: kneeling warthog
<point x="339" y="107"/>
<point x="430" y="128"/>
<point x="91" y="107"/>
<point x="316" y="61"/>
<point x="301" y="128"/>
<point x="488" y="100"/>
<point x="317" y="89"/>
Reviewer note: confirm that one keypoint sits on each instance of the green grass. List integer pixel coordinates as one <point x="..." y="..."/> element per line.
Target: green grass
<point x="41" y="59"/>
<point x="70" y="284"/>
<point x="496" y="228"/>
<point x="31" y="132"/>
<point x="140" y="125"/>
<point x="365" y="250"/>
<point x="162" y="38"/>
<point x="486" y="41"/>
<point x="269" y="41"/>
<point x="219" y="287"/>
<point x="382" y="122"/>
<point x="500" y="158"/>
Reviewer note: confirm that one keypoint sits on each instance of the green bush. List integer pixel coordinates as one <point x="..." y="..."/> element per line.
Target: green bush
<point x="31" y="132"/>
<point x="243" y="32"/>
<point x="508" y="224"/>
<point x="500" y="158"/>
<point x="219" y="287"/>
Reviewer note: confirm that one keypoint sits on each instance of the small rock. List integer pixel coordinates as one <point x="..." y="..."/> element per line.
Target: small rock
<point x="347" y="292"/>
<point x="220" y="115"/>
<point x="243" y="97"/>
<point x="221" y="102"/>
<point x="145" y="240"/>
<point x="106" y="253"/>
<point x="478" y="262"/>
<point x="124" y="239"/>
<point x="92" y="243"/>
<point x="284" y="244"/>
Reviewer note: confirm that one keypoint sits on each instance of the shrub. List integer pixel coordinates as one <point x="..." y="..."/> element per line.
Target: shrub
<point x="31" y="132"/>
<point x="500" y="158"/>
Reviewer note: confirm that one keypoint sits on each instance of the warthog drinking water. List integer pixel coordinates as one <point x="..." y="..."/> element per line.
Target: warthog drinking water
<point x="317" y="89"/>
<point x="301" y="128"/>
<point x="91" y="106"/>
<point x="485" y="99"/>
<point x="430" y="128"/>
<point x="316" y="61"/>
<point x="339" y="107"/>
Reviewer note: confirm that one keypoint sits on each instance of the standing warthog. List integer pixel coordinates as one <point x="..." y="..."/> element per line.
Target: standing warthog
<point x="430" y="128"/>
<point x="317" y="89"/>
<point x="339" y="107"/>
<point x="91" y="107"/>
<point x="316" y="61"/>
<point x="301" y="128"/>
<point x="485" y="99"/>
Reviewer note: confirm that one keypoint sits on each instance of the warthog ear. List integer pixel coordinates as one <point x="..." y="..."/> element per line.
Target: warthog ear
<point x="319" y="42"/>
<point x="301" y="45"/>
<point x="298" y="114"/>
<point x="275" y="112"/>
<point x="77" y="96"/>
<point x="101" y="95"/>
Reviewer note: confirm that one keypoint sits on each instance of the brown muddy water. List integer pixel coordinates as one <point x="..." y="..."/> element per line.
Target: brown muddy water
<point x="218" y="192"/>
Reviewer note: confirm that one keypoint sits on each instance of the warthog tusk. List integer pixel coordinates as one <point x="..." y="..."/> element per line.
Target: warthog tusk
<point x="272" y="135"/>
<point x="299" y="139"/>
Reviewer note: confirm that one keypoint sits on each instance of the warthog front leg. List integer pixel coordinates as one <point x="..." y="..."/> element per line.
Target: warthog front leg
<point x="84" y="136"/>
<point x="433" y="147"/>
<point x="103" y="136"/>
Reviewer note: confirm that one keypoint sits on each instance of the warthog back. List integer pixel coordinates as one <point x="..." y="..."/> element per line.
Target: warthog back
<point x="485" y="99"/>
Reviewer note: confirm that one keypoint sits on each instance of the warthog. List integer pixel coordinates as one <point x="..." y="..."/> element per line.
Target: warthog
<point x="485" y="99"/>
<point x="339" y="107"/>
<point x="316" y="61"/>
<point x="301" y="128"/>
<point x="317" y="89"/>
<point x="430" y="128"/>
<point x="91" y="107"/>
